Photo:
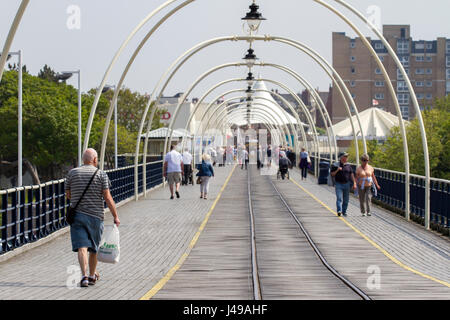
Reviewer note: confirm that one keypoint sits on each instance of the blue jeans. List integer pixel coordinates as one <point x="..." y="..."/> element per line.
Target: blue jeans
<point x="342" y="196"/>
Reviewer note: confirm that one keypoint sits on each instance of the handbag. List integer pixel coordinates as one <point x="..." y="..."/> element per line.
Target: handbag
<point x="70" y="215"/>
<point x="199" y="180"/>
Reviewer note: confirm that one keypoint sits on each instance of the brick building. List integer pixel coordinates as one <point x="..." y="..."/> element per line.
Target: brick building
<point x="427" y="64"/>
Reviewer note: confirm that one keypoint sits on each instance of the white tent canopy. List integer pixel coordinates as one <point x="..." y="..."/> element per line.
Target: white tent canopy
<point x="263" y="100"/>
<point x="375" y="122"/>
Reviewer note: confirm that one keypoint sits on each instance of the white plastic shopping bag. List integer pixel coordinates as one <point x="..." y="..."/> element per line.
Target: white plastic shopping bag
<point x="109" y="250"/>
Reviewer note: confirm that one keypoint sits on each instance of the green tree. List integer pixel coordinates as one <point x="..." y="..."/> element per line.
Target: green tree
<point x="48" y="74"/>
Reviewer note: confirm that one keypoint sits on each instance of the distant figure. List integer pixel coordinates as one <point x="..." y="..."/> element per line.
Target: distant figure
<point x="173" y="162"/>
<point x="269" y="156"/>
<point x="345" y="179"/>
<point x="87" y="228"/>
<point x="206" y="171"/>
<point x="366" y="180"/>
<point x="284" y="164"/>
<point x="187" y="167"/>
<point x="244" y="158"/>
<point x="304" y="156"/>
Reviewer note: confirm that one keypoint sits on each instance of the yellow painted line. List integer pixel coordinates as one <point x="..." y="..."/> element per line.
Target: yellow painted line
<point x="373" y="243"/>
<point x="161" y="283"/>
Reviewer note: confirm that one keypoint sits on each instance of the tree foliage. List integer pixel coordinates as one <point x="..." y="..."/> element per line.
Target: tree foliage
<point x="50" y="122"/>
<point x="389" y="155"/>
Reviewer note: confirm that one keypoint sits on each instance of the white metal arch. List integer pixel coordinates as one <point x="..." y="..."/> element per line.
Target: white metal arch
<point x="299" y="101"/>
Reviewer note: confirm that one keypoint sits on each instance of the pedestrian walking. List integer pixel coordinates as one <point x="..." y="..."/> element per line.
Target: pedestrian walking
<point x="304" y="157"/>
<point x="345" y="179"/>
<point x="366" y="181"/>
<point x="87" y="187"/>
<point x="244" y="158"/>
<point x="173" y="162"/>
<point x="187" y="167"/>
<point x="206" y="171"/>
<point x="269" y="156"/>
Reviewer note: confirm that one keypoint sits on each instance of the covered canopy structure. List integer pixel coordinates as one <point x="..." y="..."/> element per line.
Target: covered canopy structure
<point x="264" y="101"/>
<point x="375" y="122"/>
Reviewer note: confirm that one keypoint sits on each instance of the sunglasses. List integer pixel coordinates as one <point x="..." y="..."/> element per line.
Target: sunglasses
<point x="365" y="160"/>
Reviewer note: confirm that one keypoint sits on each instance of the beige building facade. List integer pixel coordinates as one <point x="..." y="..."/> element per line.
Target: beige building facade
<point x="426" y="62"/>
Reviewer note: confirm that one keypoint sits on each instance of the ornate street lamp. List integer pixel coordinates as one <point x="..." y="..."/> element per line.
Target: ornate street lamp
<point x="250" y="79"/>
<point x="250" y="58"/>
<point x="249" y="92"/>
<point x="253" y="17"/>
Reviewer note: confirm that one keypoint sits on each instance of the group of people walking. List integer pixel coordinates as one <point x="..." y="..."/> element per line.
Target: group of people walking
<point x="87" y="187"/>
<point x="363" y="182"/>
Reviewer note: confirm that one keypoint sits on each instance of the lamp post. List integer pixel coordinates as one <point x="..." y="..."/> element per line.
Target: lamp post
<point x="64" y="76"/>
<point x="253" y="17"/>
<point x="250" y="58"/>
<point x="19" y="115"/>
<point x="106" y="89"/>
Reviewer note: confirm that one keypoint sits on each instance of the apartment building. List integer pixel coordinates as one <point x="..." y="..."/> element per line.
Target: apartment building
<point x="426" y="62"/>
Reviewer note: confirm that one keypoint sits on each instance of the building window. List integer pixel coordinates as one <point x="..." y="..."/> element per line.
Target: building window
<point x="401" y="86"/>
<point x="420" y="58"/>
<point x="448" y="74"/>
<point x="447" y="51"/>
<point x="379" y="96"/>
<point x="379" y="83"/>
<point x="404" y="60"/>
<point x="447" y="61"/>
<point x="352" y="44"/>
<point x="429" y="46"/>
<point x="429" y="71"/>
<point x="378" y="71"/>
<point x="402" y="46"/>
<point x="420" y="71"/>
<point x="403" y="98"/>
<point x="381" y="58"/>
<point x="405" y="112"/>
<point x="429" y="84"/>
<point x="429" y="96"/>
<point x="448" y="86"/>
<point x="352" y="59"/>
<point x="400" y="75"/>
<point x="353" y="70"/>
<point x="419" y="83"/>
<point x="353" y="96"/>
<point x="420" y="46"/>
<point x="420" y="96"/>
<point x="352" y="83"/>
<point x="429" y="59"/>
<point x="379" y="46"/>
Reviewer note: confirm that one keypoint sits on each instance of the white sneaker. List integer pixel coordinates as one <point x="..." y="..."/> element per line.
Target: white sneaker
<point x="369" y="214"/>
<point x="363" y="214"/>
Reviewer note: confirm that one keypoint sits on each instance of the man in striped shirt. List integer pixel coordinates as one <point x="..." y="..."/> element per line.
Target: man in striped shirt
<point x="87" y="228"/>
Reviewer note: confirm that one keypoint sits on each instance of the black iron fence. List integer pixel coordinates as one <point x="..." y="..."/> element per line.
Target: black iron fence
<point x="392" y="194"/>
<point x="33" y="212"/>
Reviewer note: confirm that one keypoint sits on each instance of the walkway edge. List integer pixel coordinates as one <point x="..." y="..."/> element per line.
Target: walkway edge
<point x="373" y="243"/>
<point x="161" y="283"/>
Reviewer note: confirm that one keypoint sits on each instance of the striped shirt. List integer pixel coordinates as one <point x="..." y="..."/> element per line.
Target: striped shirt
<point x="92" y="203"/>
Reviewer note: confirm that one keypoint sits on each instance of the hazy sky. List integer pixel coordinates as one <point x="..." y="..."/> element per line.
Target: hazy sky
<point x="104" y="24"/>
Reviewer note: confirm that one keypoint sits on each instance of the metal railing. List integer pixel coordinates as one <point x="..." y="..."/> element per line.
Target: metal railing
<point x="30" y="213"/>
<point x="392" y="194"/>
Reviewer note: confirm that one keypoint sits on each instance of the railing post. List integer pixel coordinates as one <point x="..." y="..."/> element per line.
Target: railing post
<point x="4" y="217"/>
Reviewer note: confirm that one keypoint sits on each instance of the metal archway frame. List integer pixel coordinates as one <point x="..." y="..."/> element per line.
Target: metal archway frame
<point x="413" y="98"/>
<point x="391" y="53"/>
<point x="254" y="106"/>
<point x="299" y="101"/>
<point x="11" y="34"/>
<point x="191" y="52"/>
<point x="256" y="98"/>
<point x="266" y="38"/>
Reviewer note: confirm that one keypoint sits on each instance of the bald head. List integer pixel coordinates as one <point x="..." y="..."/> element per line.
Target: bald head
<point x="90" y="156"/>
